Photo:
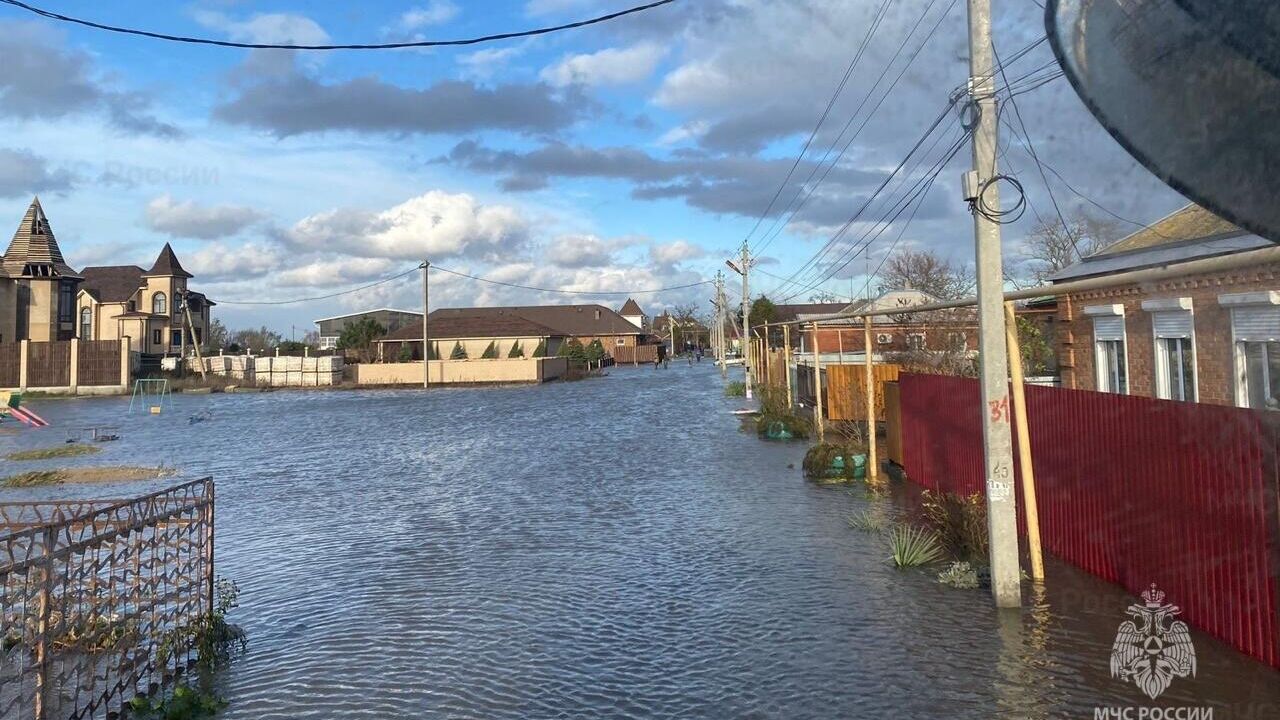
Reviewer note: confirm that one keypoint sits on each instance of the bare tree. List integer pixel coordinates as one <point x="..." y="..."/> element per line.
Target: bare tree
<point x="927" y="271"/>
<point x="1051" y="246"/>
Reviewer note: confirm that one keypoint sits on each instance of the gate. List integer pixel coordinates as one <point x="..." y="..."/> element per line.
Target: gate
<point x="98" y="362"/>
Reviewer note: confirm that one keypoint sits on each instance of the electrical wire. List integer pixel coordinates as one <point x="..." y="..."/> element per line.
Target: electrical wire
<point x="320" y="297"/>
<point x="368" y="46"/>
<point x="572" y="292"/>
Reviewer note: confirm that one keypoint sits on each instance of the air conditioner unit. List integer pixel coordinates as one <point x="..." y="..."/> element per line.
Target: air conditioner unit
<point x="884" y="338"/>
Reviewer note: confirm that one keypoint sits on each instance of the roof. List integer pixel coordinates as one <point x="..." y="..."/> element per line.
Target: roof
<point x="167" y="265"/>
<point x="630" y="307"/>
<point x="112" y="283"/>
<point x="1191" y="233"/>
<point x="1190" y="222"/>
<point x="445" y="324"/>
<point x="369" y="312"/>
<point x="34" y="244"/>
<point x="801" y="311"/>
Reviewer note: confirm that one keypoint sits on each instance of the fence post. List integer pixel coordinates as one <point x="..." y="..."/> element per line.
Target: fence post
<point x="873" y="467"/>
<point x="208" y="550"/>
<point x="124" y="362"/>
<point x="786" y="362"/>
<point x="74" y="379"/>
<point x="23" y="347"/>
<point x="43" y="611"/>
<point x="817" y="386"/>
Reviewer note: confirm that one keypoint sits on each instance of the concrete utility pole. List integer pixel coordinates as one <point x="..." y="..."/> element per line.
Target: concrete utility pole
<point x="426" y="343"/>
<point x="746" y="314"/>
<point x="1002" y="523"/>
<point x="873" y="467"/>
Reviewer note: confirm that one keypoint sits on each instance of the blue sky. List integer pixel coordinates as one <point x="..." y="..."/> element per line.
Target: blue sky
<point x="636" y="154"/>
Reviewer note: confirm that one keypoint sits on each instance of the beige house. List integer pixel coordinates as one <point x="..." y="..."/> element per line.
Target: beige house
<point x="42" y="298"/>
<point x="146" y="306"/>
<point x="37" y="287"/>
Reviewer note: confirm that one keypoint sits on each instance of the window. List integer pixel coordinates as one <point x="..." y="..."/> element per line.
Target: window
<point x="156" y="338"/>
<point x="176" y="339"/>
<point x="86" y="324"/>
<point x="1255" y="333"/>
<point x="66" y="302"/>
<point x="159" y="304"/>
<point x="620" y="342"/>
<point x="956" y="341"/>
<point x="915" y="341"/>
<point x="1173" y="328"/>
<point x="328" y="342"/>
<point x="1109" y="348"/>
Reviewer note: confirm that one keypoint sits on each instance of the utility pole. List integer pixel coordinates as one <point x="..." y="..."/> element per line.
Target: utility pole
<point x="426" y="343"/>
<point x="746" y="315"/>
<point x="1002" y="523"/>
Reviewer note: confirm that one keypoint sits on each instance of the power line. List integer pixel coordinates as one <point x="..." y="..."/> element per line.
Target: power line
<point x="572" y="292"/>
<point x="370" y="46"/>
<point x="383" y="281"/>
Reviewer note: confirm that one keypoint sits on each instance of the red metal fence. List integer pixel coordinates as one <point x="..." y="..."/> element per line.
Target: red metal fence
<point x="1134" y="490"/>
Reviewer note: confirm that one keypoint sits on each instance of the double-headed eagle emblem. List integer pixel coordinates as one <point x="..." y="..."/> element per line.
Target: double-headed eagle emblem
<point x="1153" y="648"/>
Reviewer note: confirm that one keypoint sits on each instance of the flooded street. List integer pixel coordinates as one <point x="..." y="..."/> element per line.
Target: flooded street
<point x="609" y="548"/>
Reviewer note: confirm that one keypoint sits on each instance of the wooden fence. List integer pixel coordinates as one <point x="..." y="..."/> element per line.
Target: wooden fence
<point x="844" y="388"/>
<point x="99" y="362"/>
<point x="62" y="364"/>
<point x="98" y="597"/>
<point x="10" y="365"/>
<point x="1134" y="490"/>
<point x="633" y="355"/>
<point x="49" y="364"/>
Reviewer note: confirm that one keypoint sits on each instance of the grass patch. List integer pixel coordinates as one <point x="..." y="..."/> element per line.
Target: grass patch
<point x="38" y="478"/>
<point x="913" y="546"/>
<point x="869" y="521"/>
<point x="735" y="389"/>
<point x="959" y="521"/>
<point x="57" y="451"/>
<point x="108" y="474"/>
<point x="959" y="575"/>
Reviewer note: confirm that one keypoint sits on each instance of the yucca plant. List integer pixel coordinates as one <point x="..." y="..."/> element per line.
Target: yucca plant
<point x="913" y="546"/>
<point x="868" y="521"/>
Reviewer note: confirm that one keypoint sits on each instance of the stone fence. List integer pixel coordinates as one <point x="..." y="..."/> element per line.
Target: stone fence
<point x="447" y="372"/>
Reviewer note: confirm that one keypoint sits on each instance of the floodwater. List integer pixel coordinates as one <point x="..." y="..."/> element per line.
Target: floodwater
<point x="612" y="548"/>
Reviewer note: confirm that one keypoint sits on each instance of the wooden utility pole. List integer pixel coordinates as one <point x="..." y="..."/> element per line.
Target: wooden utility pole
<point x="1030" y="508"/>
<point x="817" y="386"/>
<point x="426" y="343"/>
<point x="873" y="467"/>
<point x="191" y="328"/>
<point x="1002" y="519"/>
<point x="786" y="362"/>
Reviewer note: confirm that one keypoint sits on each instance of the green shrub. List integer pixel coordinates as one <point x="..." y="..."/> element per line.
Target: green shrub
<point x="491" y="352"/>
<point x="959" y="575"/>
<point x="959" y="522"/>
<point x="541" y="350"/>
<point x="516" y="351"/>
<point x="459" y="352"/>
<point x="868" y="521"/>
<point x="595" y="351"/>
<point x="406" y="354"/>
<point x="735" y="389"/>
<point x="572" y="350"/>
<point x="187" y="703"/>
<point x="819" y="459"/>
<point x="913" y="546"/>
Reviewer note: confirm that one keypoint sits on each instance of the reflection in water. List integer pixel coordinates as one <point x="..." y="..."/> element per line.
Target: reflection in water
<point x="608" y="548"/>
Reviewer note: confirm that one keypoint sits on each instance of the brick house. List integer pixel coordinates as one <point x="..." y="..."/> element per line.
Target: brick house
<point x="1212" y="338"/>
<point x="37" y="287"/>
<point x="936" y="331"/>
<point x="554" y="323"/>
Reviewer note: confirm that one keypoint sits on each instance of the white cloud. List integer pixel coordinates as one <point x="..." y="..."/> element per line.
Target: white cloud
<point x="674" y="252"/>
<point x="435" y="12"/>
<point x="279" y="28"/>
<point x="218" y="261"/>
<point x="434" y="225"/>
<point x="576" y="251"/>
<point x="688" y="131"/>
<point x="484" y="63"/>
<point x="613" y="66"/>
<point x="189" y="220"/>
<point x="336" y="271"/>
<point x="549" y="7"/>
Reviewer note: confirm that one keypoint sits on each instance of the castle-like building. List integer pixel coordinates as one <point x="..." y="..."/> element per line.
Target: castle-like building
<point x="42" y="298"/>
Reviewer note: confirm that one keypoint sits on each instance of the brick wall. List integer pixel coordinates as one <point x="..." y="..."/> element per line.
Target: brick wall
<point x="1215" y="371"/>
<point x="851" y="340"/>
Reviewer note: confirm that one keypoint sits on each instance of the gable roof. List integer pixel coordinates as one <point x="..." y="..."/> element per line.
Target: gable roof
<point x="445" y="324"/>
<point x="1190" y="233"/>
<point x="801" y="311"/>
<point x="167" y="265"/>
<point x="112" y="283"/>
<point x="34" y="244"/>
<point x="630" y="307"/>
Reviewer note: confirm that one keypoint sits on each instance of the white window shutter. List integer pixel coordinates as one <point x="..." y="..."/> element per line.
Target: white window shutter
<point x="1173" y="324"/>
<point x="1256" y="323"/>
<point x="1108" y="327"/>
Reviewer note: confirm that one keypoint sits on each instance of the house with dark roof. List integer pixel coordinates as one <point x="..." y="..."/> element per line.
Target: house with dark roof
<point x="632" y="313"/>
<point x="474" y="328"/>
<point x="938" y="331"/>
<point x="37" y="287"/>
<point x="1207" y="337"/>
<point x="148" y="306"/>
<point x="330" y="328"/>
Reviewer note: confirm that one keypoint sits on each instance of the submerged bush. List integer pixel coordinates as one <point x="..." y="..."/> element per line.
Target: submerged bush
<point x="913" y="546"/>
<point x="959" y="521"/>
<point x="735" y="389"/>
<point x="187" y="703"/>
<point x="959" y="575"/>
<point x="57" y="451"/>
<point x="833" y="461"/>
<point x="868" y="521"/>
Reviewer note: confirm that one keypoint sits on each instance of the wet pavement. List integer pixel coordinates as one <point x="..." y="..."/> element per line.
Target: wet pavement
<point x="611" y="548"/>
